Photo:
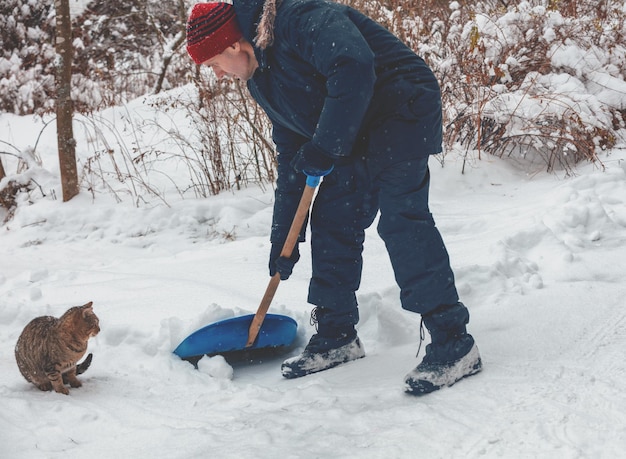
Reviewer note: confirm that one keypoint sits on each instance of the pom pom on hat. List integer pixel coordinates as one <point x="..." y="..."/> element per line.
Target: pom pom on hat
<point x="211" y="29"/>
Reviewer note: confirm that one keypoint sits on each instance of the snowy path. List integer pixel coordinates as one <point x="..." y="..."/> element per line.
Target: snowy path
<point x="540" y="262"/>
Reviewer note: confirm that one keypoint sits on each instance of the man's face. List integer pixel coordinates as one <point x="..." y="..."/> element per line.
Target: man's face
<point x="233" y="62"/>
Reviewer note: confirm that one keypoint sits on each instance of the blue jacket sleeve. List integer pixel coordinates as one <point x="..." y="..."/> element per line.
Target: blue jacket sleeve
<point x="289" y="184"/>
<point x="335" y="47"/>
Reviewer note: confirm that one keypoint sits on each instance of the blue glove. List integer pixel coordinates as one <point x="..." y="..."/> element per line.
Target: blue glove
<point x="313" y="181"/>
<point x="312" y="161"/>
<point x="282" y="265"/>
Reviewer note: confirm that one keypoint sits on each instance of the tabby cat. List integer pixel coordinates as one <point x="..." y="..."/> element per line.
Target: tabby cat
<point x="48" y="349"/>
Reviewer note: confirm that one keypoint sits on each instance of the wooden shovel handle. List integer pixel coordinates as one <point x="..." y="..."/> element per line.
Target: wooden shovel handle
<point x="290" y="243"/>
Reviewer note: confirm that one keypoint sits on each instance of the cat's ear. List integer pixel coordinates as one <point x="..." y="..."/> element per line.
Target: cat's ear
<point x="88" y="306"/>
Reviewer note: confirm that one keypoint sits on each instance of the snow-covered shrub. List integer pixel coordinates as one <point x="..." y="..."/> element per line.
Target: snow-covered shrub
<point x="226" y="140"/>
<point x="202" y="138"/>
<point x="16" y="188"/>
<point x="537" y="81"/>
<point x="26" y="56"/>
<point x="119" y="49"/>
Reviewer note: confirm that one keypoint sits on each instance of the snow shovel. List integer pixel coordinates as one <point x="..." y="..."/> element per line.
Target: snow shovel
<point x="253" y="331"/>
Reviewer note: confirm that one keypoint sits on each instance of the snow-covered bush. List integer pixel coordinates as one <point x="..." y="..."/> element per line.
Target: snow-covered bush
<point x="538" y="79"/>
<point x="118" y="53"/>
<point x="26" y="56"/>
<point x="201" y="138"/>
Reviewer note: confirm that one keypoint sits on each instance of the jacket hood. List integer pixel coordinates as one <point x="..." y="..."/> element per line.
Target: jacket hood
<point x="256" y="20"/>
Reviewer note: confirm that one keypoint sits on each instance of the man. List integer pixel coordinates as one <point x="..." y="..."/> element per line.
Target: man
<point x="348" y="101"/>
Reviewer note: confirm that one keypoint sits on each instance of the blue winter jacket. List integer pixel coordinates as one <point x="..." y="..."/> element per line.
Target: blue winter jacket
<point x="336" y="78"/>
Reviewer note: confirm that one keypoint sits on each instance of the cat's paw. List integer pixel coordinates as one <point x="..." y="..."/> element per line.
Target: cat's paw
<point x="46" y="387"/>
<point x="62" y="390"/>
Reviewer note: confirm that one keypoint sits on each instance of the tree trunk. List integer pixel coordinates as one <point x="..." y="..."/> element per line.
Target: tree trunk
<point x="2" y="173"/>
<point x="65" y="110"/>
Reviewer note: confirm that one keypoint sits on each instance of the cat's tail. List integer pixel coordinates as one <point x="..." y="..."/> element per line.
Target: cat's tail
<point x="82" y="367"/>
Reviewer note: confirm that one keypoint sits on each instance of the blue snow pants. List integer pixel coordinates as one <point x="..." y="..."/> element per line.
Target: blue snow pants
<point x="347" y="203"/>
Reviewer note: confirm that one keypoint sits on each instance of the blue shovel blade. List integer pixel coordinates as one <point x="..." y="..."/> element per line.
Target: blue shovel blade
<point x="232" y="335"/>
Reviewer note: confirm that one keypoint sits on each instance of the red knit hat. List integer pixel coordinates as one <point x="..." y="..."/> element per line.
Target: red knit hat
<point x="211" y="29"/>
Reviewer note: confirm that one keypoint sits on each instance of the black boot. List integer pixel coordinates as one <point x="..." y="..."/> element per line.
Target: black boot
<point x="452" y="354"/>
<point x="333" y="344"/>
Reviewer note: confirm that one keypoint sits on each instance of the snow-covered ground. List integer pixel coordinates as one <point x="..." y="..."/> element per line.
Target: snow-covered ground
<point x="540" y="261"/>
